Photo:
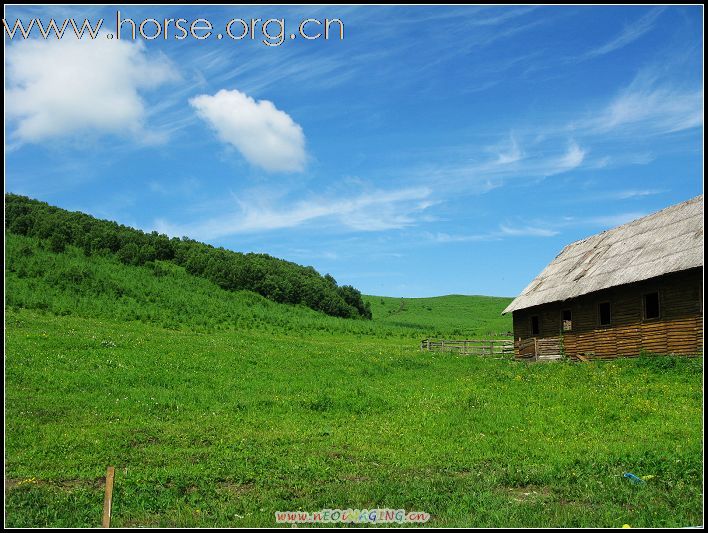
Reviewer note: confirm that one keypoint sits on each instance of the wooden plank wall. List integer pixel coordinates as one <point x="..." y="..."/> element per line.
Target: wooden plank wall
<point x="679" y="330"/>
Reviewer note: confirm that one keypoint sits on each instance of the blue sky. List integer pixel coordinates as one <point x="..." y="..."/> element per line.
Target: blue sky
<point x="433" y="150"/>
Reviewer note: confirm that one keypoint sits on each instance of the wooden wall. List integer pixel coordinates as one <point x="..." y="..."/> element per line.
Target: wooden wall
<point x="679" y="330"/>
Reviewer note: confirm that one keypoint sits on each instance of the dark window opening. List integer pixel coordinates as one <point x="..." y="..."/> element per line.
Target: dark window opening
<point x="605" y="314"/>
<point x="567" y="320"/>
<point x="535" y="326"/>
<point x="651" y="305"/>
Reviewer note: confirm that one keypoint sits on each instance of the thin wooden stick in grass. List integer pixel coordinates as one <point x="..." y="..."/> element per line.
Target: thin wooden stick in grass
<point x="109" y="496"/>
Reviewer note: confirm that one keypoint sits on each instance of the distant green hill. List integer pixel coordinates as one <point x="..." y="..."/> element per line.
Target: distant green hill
<point x="457" y="315"/>
<point x="162" y="293"/>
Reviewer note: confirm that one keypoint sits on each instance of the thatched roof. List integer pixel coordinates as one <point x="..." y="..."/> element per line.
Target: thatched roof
<point x="664" y="242"/>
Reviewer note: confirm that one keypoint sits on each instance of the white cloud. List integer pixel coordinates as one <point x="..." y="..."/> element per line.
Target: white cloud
<point x="264" y="135"/>
<point x="58" y="88"/>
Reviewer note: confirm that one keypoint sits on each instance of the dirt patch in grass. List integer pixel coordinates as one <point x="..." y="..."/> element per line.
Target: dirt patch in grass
<point x="235" y="488"/>
<point x="355" y="479"/>
<point x="527" y="493"/>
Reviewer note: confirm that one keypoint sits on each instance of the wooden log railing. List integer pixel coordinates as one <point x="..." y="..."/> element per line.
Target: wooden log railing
<point x="548" y="349"/>
<point x="538" y="349"/>
<point x="499" y="347"/>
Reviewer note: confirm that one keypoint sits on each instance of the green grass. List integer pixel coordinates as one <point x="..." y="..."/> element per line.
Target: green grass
<point x="219" y="409"/>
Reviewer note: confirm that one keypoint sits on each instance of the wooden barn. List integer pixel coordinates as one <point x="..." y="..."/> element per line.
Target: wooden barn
<point x="632" y="289"/>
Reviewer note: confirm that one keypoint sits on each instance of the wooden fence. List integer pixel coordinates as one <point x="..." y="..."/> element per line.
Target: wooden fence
<point x="499" y="347"/>
<point x="533" y="349"/>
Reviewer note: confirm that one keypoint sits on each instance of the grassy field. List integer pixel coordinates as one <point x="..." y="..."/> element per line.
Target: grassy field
<point x="219" y="409"/>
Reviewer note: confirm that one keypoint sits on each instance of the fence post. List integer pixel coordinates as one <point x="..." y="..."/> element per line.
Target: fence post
<point x="108" y="497"/>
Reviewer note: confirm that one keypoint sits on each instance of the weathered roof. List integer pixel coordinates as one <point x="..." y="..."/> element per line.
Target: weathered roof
<point x="668" y="241"/>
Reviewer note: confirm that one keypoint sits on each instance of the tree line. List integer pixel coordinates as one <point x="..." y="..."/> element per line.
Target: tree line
<point x="276" y="279"/>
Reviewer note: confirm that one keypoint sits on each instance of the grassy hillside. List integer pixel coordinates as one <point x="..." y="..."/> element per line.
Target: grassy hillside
<point x="278" y="280"/>
<point x="164" y="294"/>
<point x="454" y="315"/>
<point x="219" y="408"/>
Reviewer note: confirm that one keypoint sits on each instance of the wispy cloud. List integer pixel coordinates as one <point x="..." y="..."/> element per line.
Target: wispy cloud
<point x="375" y="210"/>
<point x="510" y="154"/>
<point x="592" y="222"/>
<point x="539" y="229"/>
<point x="628" y="35"/>
<point x="503" y="231"/>
<point x="527" y="231"/>
<point x="501" y="163"/>
<point x="182" y="187"/>
<point x="596" y="140"/>
<point x="610" y="221"/>
<point x="573" y="157"/>
<point x="636" y="193"/>
<point x="648" y="106"/>
<point x="612" y="195"/>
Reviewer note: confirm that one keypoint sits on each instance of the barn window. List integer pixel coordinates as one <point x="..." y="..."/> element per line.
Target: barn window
<point x="605" y="314"/>
<point x="535" y="325"/>
<point x="651" y="305"/>
<point x="567" y="320"/>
